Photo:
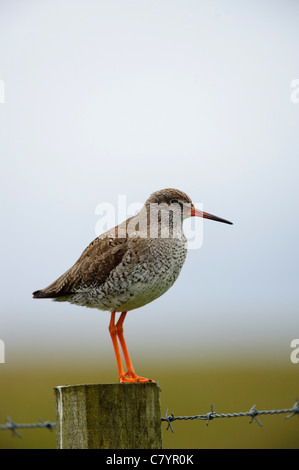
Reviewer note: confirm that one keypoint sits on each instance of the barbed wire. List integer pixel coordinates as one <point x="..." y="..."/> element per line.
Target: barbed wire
<point x="12" y="426"/>
<point x="253" y="413"/>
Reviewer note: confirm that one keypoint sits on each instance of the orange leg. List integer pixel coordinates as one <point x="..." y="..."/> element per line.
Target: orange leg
<point x="117" y="330"/>
<point x="113" y="334"/>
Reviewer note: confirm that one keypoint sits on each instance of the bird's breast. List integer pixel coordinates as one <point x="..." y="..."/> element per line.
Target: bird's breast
<point x="146" y="272"/>
<point x="152" y="275"/>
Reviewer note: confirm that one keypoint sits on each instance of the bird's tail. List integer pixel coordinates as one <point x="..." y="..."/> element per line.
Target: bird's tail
<point x="45" y="294"/>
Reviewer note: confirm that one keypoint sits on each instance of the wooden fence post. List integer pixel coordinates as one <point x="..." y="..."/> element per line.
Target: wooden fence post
<point x="108" y="416"/>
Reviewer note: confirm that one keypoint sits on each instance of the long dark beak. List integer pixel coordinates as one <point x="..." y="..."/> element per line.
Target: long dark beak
<point x="197" y="213"/>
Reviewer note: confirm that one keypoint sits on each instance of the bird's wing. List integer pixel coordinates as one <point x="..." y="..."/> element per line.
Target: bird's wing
<point x="94" y="266"/>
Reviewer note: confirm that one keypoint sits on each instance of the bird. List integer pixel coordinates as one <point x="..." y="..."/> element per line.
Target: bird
<point x="130" y="266"/>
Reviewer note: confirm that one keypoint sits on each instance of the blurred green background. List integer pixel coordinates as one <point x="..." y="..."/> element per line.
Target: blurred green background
<point x="26" y="394"/>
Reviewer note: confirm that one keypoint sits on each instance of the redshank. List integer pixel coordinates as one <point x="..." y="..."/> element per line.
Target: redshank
<point x="130" y="265"/>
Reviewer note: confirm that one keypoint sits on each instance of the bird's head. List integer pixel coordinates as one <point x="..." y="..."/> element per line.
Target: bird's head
<point x="179" y="203"/>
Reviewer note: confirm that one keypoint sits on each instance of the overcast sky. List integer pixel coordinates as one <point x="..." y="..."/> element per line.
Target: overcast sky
<point x="109" y="98"/>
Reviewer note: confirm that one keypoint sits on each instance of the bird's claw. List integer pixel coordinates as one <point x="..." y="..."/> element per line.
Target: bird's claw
<point x="133" y="378"/>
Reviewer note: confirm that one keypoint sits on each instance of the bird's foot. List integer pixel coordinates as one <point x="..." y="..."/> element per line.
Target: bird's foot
<point x="133" y="378"/>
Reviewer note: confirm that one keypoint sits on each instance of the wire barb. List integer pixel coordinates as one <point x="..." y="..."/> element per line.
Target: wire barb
<point x="254" y="413"/>
<point x="210" y="415"/>
<point x="295" y="409"/>
<point x="168" y="419"/>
